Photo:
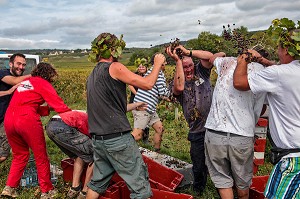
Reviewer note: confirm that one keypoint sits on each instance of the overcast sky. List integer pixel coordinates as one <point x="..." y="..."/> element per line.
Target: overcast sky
<point x="72" y="24"/>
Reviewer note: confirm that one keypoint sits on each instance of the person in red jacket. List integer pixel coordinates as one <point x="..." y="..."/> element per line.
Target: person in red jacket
<point x="24" y="128"/>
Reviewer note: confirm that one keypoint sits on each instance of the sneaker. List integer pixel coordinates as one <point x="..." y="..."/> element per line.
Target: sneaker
<point x="50" y="195"/>
<point x="9" y="191"/>
<point x="81" y="195"/>
<point x="73" y="193"/>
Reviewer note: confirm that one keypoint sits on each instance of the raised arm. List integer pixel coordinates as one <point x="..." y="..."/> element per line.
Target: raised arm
<point x="120" y="72"/>
<point x="179" y="80"/>
<point x="219" y="54"/>
<point x="240" y="77"/>
<point x="203" y="55"/>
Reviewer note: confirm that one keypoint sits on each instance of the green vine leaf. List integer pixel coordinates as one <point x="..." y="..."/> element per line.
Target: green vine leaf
<point x="106" y="45"/>
<point x="284" y="32"/>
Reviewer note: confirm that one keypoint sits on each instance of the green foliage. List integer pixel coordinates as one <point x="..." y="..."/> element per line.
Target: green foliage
<point x="266" y="43"/>
<point x="287" y="34"/>
<point x="142" y="61"/>
<point x="137" y="55"/>
<point x="205" y="41"/>
<point x="106" y="45"/>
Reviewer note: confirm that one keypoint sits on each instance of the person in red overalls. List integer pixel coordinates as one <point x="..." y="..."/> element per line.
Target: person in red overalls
<point x="24" y="128"/>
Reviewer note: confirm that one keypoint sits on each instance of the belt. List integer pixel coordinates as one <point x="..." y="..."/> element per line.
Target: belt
<point x="110" y="136"/>
<point x="225" y="133"/>
<point x="56" y="119"/>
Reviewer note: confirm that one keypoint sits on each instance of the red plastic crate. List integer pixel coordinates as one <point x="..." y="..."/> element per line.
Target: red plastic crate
<point x="262" y="122"/>
<point x="112" y="192"/>
<point x="67" y="166"/>
<point x="160" y="177"/>
<point x="256" y="164"/>
<point x="258" y="187"/>
<point x="260" y="144"/>
<point x="261" y="128"/>
<point x="157" y="194"/>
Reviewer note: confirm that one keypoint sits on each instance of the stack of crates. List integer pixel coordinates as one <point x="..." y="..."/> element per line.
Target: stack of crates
<point x="260" y="143"/>
<point x="163" y="181"/>
<point x="258" y="186"/>
<point x="259" y="182"/>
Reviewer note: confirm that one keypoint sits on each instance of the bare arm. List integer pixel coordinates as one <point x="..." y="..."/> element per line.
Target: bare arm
<point x="131" y="88"/>
<point x="12" y="80"/>
<point x="120" y="72"/>
<point x="135" y="105"/>
<point x="219" y="54"/>
<point x="203" y="55"/>
<point x="266" y="62"/>
<point x="240" y="77"/>
<point x="10" y="91"/>
<point x="179" y="79"/>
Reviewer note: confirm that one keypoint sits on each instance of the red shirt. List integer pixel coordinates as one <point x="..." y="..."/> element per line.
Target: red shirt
<point x="76" y="119"/>
<point x="32" y="93"/>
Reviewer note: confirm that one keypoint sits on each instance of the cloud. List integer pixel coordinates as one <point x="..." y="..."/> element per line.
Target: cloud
<point x="8" y="43"/>
<point x="74" y="24"/>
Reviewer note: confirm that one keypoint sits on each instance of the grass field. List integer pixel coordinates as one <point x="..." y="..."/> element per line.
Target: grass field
<point x="73" y="71"/>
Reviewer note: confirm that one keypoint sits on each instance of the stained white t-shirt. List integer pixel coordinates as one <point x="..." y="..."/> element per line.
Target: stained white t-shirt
<point x="282" y="85"/>
<point x="233" y="111"/>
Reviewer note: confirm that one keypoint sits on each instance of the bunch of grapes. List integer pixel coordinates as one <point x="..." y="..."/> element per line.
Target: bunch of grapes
<point x="250" y="57"/>
<point x="173" y="45"/>
<point x="240" y="42"/>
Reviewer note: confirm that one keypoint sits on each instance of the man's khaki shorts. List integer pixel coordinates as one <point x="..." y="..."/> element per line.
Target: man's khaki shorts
<point x="229" y="159"/>
<point x="142" y="119"/>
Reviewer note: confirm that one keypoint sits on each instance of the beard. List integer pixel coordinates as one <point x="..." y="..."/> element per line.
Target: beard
<point x="17" y="72"/>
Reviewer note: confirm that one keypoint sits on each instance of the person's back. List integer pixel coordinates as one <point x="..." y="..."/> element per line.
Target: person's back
<point x="283" y="95"/>
<point x="115" y="150"/>
<point x="108" y="97"/>
<point x="229" y="105"/>
<point x="230" y="130"/>
<point x="280" y="84"/>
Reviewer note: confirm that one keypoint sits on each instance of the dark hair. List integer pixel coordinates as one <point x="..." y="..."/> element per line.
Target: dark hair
<point x="12" y="58"/>
<point x="45" y="71"/>
<point x="152" y="58"/>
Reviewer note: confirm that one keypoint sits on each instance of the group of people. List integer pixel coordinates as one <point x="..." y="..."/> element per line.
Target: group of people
<point x="221" y="121"/>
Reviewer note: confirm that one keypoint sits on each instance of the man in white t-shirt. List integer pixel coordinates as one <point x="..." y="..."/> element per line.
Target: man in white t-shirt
<point x="281" y="84"/>
<point x="229" y="140"/>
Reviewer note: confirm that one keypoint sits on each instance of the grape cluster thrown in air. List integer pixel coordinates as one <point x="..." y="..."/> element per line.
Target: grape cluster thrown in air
<point x="173" y="45"/>
<point x="240" y="42"/>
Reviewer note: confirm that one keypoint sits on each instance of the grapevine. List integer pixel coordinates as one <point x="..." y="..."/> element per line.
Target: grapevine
<point x="240" y="42"/>
<point x="287" y="34"/>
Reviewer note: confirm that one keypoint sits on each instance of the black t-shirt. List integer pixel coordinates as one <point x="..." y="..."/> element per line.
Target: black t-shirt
<point x="4" y="100"/>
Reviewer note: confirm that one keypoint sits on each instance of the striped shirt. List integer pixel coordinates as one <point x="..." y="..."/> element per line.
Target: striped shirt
<point x="151" y="97"/>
